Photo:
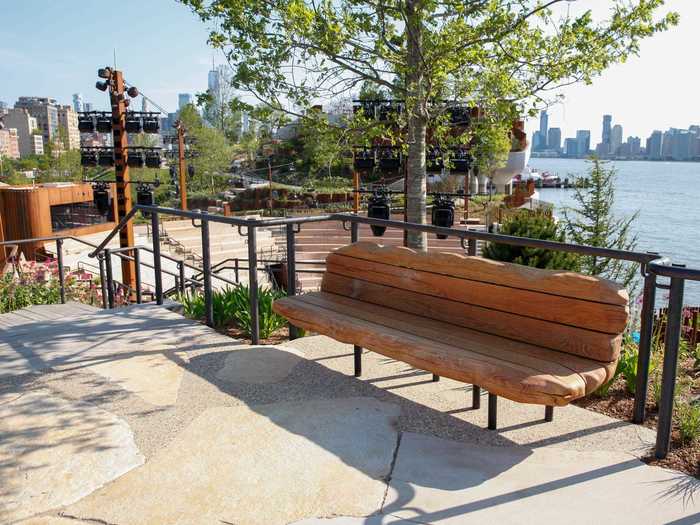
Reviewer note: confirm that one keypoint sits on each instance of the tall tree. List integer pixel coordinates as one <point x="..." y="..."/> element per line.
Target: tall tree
<point x="592" y="222"/>
<point x="504" y="56"/>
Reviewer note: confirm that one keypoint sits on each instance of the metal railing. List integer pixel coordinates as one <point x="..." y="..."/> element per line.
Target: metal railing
<point x="652" y="266"/>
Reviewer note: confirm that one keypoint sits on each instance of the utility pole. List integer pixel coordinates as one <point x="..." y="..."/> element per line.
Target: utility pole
<point x="181" y="161"/>
<point x="121" y="170"/>
<point x="269" y="179"/>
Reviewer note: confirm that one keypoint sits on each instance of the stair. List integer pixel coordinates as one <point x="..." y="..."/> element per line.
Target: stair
<point x="316" y="240"/>
<point x="43" y="313"/>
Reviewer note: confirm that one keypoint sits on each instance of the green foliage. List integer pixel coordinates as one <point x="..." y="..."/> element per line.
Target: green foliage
<point x="533" y="226"/>
<point x="593" y="223"/>
<point x="629" y="357"/>
<point x="231" y="306"/>
<point x="503" y="56"/>
<point x="688" y="422"/>
<point x="16" y="294"/>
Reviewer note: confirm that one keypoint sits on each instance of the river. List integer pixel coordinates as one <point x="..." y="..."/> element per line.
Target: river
<point x="666" y="196"/>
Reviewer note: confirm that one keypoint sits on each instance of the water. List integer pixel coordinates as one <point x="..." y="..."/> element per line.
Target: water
<point x="666" y="195"/>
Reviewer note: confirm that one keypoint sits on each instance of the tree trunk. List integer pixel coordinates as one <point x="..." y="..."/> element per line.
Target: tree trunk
<point x="416" y="104"/>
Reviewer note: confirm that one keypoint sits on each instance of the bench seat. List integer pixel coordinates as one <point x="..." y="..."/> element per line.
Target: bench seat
<point x="513" y="369"/>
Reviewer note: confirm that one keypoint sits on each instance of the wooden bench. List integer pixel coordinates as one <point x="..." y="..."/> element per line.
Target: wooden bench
<point x="534" y="336"/>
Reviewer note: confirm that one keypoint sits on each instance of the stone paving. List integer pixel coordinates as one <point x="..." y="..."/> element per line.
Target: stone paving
<point x="138" y="416"/>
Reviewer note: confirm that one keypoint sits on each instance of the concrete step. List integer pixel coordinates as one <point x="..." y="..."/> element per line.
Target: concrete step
<point x="43" y="313"/>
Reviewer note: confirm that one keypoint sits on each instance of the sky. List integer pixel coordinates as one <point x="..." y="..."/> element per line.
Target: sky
<point x="53" y="48"/>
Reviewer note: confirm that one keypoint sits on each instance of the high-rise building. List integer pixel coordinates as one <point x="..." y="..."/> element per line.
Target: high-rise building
<point x="571" y="147"/>
<point x="615" y="139"/>
<point x="667" y="144"/>
<point x="45" y="111"/>
<point x="144" y="104"/>
<point x="87" y="106"/>
<point x="68" y="122"/>
<point x="30" y="143"/>
<point x="9" y="143"/>
<point x="583" y="141"/>
<point x="682" y="144"/>
<point x="538" y="143"/>
<point x="215" y="78"/>
<point x="554" y="139"/>
<point x="635" y="146"/>
<point x="653" y="145"/>
<point x="607" y="124"/>
<point x="544" y="125"/>
<point x="184" y="99"/>
<point x="77" y="102"/>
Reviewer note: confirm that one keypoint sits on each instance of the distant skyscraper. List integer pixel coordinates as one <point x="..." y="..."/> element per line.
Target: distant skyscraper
<point x="583" y="141"/>
<point x="144" y="104"/>
<point x="538" y="143"/>
<point x="571" y="147"/>
<point x="215" y="78"/>
<point x="544" y="125"/>
<point x="77" y="102"/>
<point x="654" y="143"/>
<point x="635" y="146"/>
<point x="607" y="124"/>
<point x="554" y="139"/>
<point x="615" y="139"/>
<point x="87" y="106"/>
<point x="183" y="99"/>
<point x="245" y="122"/>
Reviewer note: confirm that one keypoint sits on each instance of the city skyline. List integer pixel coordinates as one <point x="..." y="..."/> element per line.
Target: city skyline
<point x="178" y="61"/>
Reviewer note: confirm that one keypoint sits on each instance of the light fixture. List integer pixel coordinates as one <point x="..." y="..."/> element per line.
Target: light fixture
<point x="135" y="159"/>
<point x="102" y="85"/>
<point x="379" y="207"/>
<point x="86" y="124"/>
<point x="133" y="123"/>
<point x="104" y="72"/>
<point x="104" y="124"/>
<point x="105" y="157"/>
<point x="443" y="214"/>
<point x="100" y="197"/>
<point x="389" y="158"/>
<point x="88" y="158"/>
<point x="190" y="171"/>
<point x="153" y="159"/>
<point x="144" y="197"/>
<point x="132" y="92"/>
<point x="461" y="161"/>
<point x="364" y="159"/>
<point x="151" y="125"/>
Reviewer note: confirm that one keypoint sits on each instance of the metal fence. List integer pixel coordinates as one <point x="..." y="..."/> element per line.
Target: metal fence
<point x="652" y="267"/>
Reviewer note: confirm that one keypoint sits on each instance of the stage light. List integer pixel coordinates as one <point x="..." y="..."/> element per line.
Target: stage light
<point x="88" y="158"/>
<point x="104" y="124"/>
<point x="443" y="213"/>
<point x="151" y="125"/>
<point x="102" y="86"/>
<point x="86" y="124"/>
<point x="153" y="159"/>
<point x="133" y="123"/>
<point x="100" y="197"/>
<point x="105" y="158"/>
<point x="135" y="159"/>
<point x="132" y="92"/>
<point x="379" y="207"/>
<point x="104" y="72"/>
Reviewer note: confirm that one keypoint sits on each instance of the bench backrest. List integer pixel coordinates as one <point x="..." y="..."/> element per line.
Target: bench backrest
<point x="561" y="310"/>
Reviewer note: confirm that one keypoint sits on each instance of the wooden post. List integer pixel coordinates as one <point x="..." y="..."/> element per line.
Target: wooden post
<point x="121" y="171"/>
<point x="356" y="195"/>
<point x="269" y="179"/>
<point x="181" y="162"/>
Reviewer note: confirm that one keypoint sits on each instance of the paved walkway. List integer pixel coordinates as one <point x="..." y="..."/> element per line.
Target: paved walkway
<point x="138" y="416"/>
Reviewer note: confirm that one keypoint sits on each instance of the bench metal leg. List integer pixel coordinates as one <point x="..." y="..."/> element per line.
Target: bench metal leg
<point x="476" y="397"/>
<point x="358" y="360"/>
<point x="549" y="413"/>
<point x="436" y="378"/>
<point x="493" y="410"/>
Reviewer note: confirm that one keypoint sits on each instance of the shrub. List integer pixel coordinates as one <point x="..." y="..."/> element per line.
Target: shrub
<point x="231" y="306"/>
<point x="688" y="421"/>
<point x="533" y="226"/>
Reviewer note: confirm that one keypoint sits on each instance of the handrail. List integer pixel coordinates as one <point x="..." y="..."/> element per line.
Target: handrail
<point x="114" y="231"/>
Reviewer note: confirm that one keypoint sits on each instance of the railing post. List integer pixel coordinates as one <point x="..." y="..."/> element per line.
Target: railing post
<point x="181" y="269"/>
<point x="354" y="232"/>
<point x="61" y="275"/>
<point x="137" y="268"/>
<point x="471" y="247"/>
<point x="103" y="279"/>
<point x="668" y="379"/>
<point x="156" y="257"/>
<point x="110" y="278"/>
<point x="291" y="274"/>
<point x="646" y="333"/>
<point x="206" y="271"/>
<point x="253" y="285"/>
<point x="236" y="270"/>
